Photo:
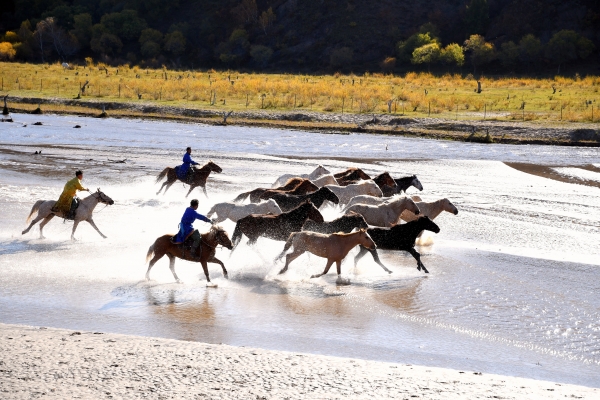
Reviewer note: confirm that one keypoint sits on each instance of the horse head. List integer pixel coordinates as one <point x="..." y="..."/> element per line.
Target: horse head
<point x="365" y="239"/>
<point x="416" y="183"/>
<point x="385" y="179"/>
<point x="410" y="205"/>
<point x="102" y="198"/>
<point x="329" y="195"/>
<point x="427" y="224"/>
<point x="214" y="167"/>
<point x="273" y="207"/>
<point x="356" y="219"/>
<point x="221" y="236"/>
<point x="312" y="212"/>
<point x="449" y="207"/>
<point x="320" y="170"/>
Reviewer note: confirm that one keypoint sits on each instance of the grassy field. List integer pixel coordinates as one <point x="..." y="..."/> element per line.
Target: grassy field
<point x="414" y="95"/>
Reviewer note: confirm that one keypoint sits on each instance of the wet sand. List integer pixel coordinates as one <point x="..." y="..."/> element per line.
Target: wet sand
<point x="59" y="363"/>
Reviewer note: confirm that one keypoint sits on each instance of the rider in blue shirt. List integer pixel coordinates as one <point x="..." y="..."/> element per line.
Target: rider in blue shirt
<point x="186" y="228"/>
<point x="187" y="163"/>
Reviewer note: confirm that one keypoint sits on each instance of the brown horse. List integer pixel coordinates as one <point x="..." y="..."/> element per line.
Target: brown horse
<point x="199" y="177"/>
<point x="290" y="185"/>
<point x="276" y="227"/>
<point x="333" y="247"/>
<point x="302" y="189"/>
<point x="351" y="175"/>
<point x="210" y="240"/>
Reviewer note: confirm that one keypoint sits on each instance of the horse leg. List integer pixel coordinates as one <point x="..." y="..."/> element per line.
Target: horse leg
<point x="92" y="223"/>
<point x="329" y="264"/>
<point x="217" y="261"/>
<point x="163" y="185"/>
<point x="172" y="267"/>
<point x="205" y="268"/>
<point x="75" y="223"/>
<point x="289" y="258"/>
<point x="43" y="223"/>
<point x="157" y="257"/>
<point x="204" y="190"/>
<point x="168" y="184"/>
<point x="338" y="266"/>
<point x="378" y="261"/>
<point x="190" y="191"/>
<point x="417" y="257"/>
<point x="361" y="252"/>
<point x="35" y="221"/>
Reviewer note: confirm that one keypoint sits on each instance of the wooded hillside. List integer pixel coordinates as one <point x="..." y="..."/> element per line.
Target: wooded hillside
<point x="495" y="36"/>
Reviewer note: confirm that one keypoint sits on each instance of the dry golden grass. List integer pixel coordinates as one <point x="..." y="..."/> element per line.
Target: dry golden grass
<point x="418" y="95"/>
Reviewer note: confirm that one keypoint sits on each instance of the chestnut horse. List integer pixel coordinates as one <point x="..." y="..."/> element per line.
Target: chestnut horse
<point x="333" y="247"/>
<point x="210" y="240"/>
<point x="199" y="177"/>
<point x="351" y="175"/>
<point x="276" y="227"/>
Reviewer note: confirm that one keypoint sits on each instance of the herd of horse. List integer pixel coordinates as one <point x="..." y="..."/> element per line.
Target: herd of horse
<point x="376" y="214"/>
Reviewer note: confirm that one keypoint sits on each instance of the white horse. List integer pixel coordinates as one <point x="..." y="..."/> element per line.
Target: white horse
<point x="346" y="193"/>
<point x="327" y="179"/>
<point x="320" y="170"/>
<point x="430" y="209"/>
<point x="83" y="212"/>
<point x="235" y="211"/>
<point x="374" y="201"/>
<point x="386" y="214"/>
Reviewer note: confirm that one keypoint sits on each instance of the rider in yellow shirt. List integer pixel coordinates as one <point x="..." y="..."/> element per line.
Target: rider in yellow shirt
<point x="64" y="203"/>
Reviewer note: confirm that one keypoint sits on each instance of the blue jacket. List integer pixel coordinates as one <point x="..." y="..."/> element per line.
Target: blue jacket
<point x="184" y="168"/>
<point x="185" y="228"/>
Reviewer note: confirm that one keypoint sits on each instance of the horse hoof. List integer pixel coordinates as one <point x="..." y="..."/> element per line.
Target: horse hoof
<point x="226" y="276"/>
<point x="389" y="272"/>
<point x="342" y="281"/>
<point x="211" y="284"/>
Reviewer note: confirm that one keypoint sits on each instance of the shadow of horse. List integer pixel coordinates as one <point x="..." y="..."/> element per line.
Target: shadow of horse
<point x="17" y="246"/>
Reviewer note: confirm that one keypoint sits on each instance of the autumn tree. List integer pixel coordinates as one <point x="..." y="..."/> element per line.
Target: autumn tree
<point x="481" y="52"/>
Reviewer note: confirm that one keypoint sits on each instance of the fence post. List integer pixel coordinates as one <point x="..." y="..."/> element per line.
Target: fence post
<point x="429" y="113"/>
<point x="484" y="110"/>
<point x="119" y="90"/>
<point x="344" y="100"/>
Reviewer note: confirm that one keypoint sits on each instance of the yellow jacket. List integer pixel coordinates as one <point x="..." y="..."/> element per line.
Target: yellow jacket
<point x="64" y="202"/>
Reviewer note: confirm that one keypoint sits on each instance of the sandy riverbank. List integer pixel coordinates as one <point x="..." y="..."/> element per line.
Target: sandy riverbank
<point x="491" y="130"/>
<point x="58" y="363"/>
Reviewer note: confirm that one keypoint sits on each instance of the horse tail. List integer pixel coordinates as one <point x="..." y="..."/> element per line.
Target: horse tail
<point x="162" y="175"/>
<point x="237" y="235"/>
<point x="150" y="252"/>
<point x="35" y="208"/>
<point x="287" y="246"/>
<point x="241" y="197"/>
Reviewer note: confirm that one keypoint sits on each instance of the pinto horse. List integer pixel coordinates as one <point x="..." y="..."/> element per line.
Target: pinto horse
<point x="209" y="241"/>
<point x="345" y="223"/>
<point x="290" y="185"/>
<point x="288" y="202"/>
<point x="402" y="184"/>
<point x="276" y="227"/>
<point x="199" y="177"/>
<point x="334" y="247"/>
<point x="399" y="237"/>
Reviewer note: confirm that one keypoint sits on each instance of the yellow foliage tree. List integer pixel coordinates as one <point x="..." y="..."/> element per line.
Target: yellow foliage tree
<point x="7" y="51"/>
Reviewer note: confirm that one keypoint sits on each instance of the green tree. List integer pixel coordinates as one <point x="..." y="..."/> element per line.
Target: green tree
<point x="453" y="54"/>
<point x="509" y="54"/>
<point x="150" y="49"/>
<point x="106" y="43"/>
<point x="261" y="55"/>
<point x="235" y="49"/>
<point x="566" y="46"/>
<point x="530" y="50"/>
<point x="266" y="19"/>
<point x="175" y="43"/>
<point x="125" y="24"/>
<point x="406" y="48"/>
<point x="82" y="29"/>
<point x="481" y="52"/>
<point x="426" y="54"/>
<point x="477" y="17"/>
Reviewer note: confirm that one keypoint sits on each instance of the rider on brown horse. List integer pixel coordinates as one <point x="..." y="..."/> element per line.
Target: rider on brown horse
<point x="186" y="229"/>
<point x="185" y="170"/>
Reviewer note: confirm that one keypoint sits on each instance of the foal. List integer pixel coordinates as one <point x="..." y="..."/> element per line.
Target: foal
<point x="333" y="247"/>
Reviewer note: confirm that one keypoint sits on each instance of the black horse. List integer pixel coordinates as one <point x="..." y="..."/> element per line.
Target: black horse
<point x="344" y="224"/>
<point x="398" y="237"/>
<point x="276" y="227"/>
<point x="402" y="185"/>
<point x="288" y="202"/>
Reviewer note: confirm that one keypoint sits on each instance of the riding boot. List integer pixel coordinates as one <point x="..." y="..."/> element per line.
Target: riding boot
<point x="195" y="249"/>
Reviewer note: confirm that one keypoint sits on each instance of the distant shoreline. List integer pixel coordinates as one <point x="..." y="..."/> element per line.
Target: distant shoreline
<point x="484" y="131"/>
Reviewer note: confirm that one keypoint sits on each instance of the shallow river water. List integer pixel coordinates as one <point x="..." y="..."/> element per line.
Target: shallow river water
<point x="514" y="277"/>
